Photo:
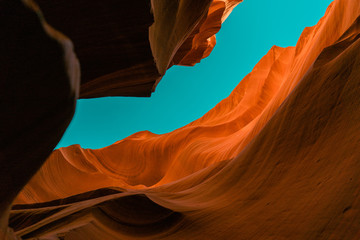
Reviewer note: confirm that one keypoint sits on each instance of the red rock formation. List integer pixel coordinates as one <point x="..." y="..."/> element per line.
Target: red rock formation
<point x="219" y="135"/>
<point x="202" y="40"/>
<point x="124" y="50"/>
<point x="40" y="73"/>
<point x="277" y="159"/>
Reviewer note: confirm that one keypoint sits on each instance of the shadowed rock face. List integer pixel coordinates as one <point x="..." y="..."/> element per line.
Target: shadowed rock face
<point x="39" y="78"/>
<point x="125" y="47"/>
<point x="277" y="159"/>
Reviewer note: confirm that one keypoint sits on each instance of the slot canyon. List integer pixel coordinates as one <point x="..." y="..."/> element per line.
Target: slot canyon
<point x="277" y="159"/>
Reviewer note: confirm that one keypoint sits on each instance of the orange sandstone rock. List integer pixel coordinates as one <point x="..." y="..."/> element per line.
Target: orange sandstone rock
<point x="146" y="159"/>
<point x="40" y="73"/>
<point x="277" y="159"/>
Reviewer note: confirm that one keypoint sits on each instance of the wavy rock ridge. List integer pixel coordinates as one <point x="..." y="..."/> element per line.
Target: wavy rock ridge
<point x="219" y="135"/>
<point x="40" y="73"/>
<point x="277" y="159"/>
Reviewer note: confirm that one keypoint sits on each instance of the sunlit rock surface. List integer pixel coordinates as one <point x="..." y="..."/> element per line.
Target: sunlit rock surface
<point x="125" y="47"/>
<point x="277" y="159"/>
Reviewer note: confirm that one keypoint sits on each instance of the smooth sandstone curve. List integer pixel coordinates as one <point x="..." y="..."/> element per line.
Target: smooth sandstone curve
<point x="146" y="159"/>
<point x="277" y="159"/>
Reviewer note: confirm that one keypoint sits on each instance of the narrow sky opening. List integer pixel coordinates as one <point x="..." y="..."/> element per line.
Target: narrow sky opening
<point x="187" y="93"/>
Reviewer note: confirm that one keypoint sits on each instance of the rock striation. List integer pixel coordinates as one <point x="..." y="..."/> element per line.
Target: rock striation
<point x="125" y="47"/>
<point x="277" y="159"/>
<point x="40" y="74"/>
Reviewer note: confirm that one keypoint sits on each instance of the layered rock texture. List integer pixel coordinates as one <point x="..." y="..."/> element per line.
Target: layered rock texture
<point x="125" y="48"/>
<point x="277" y="159"/>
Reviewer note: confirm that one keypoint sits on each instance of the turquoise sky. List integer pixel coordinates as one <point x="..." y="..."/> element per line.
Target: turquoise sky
<point x="187" y="93"/>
